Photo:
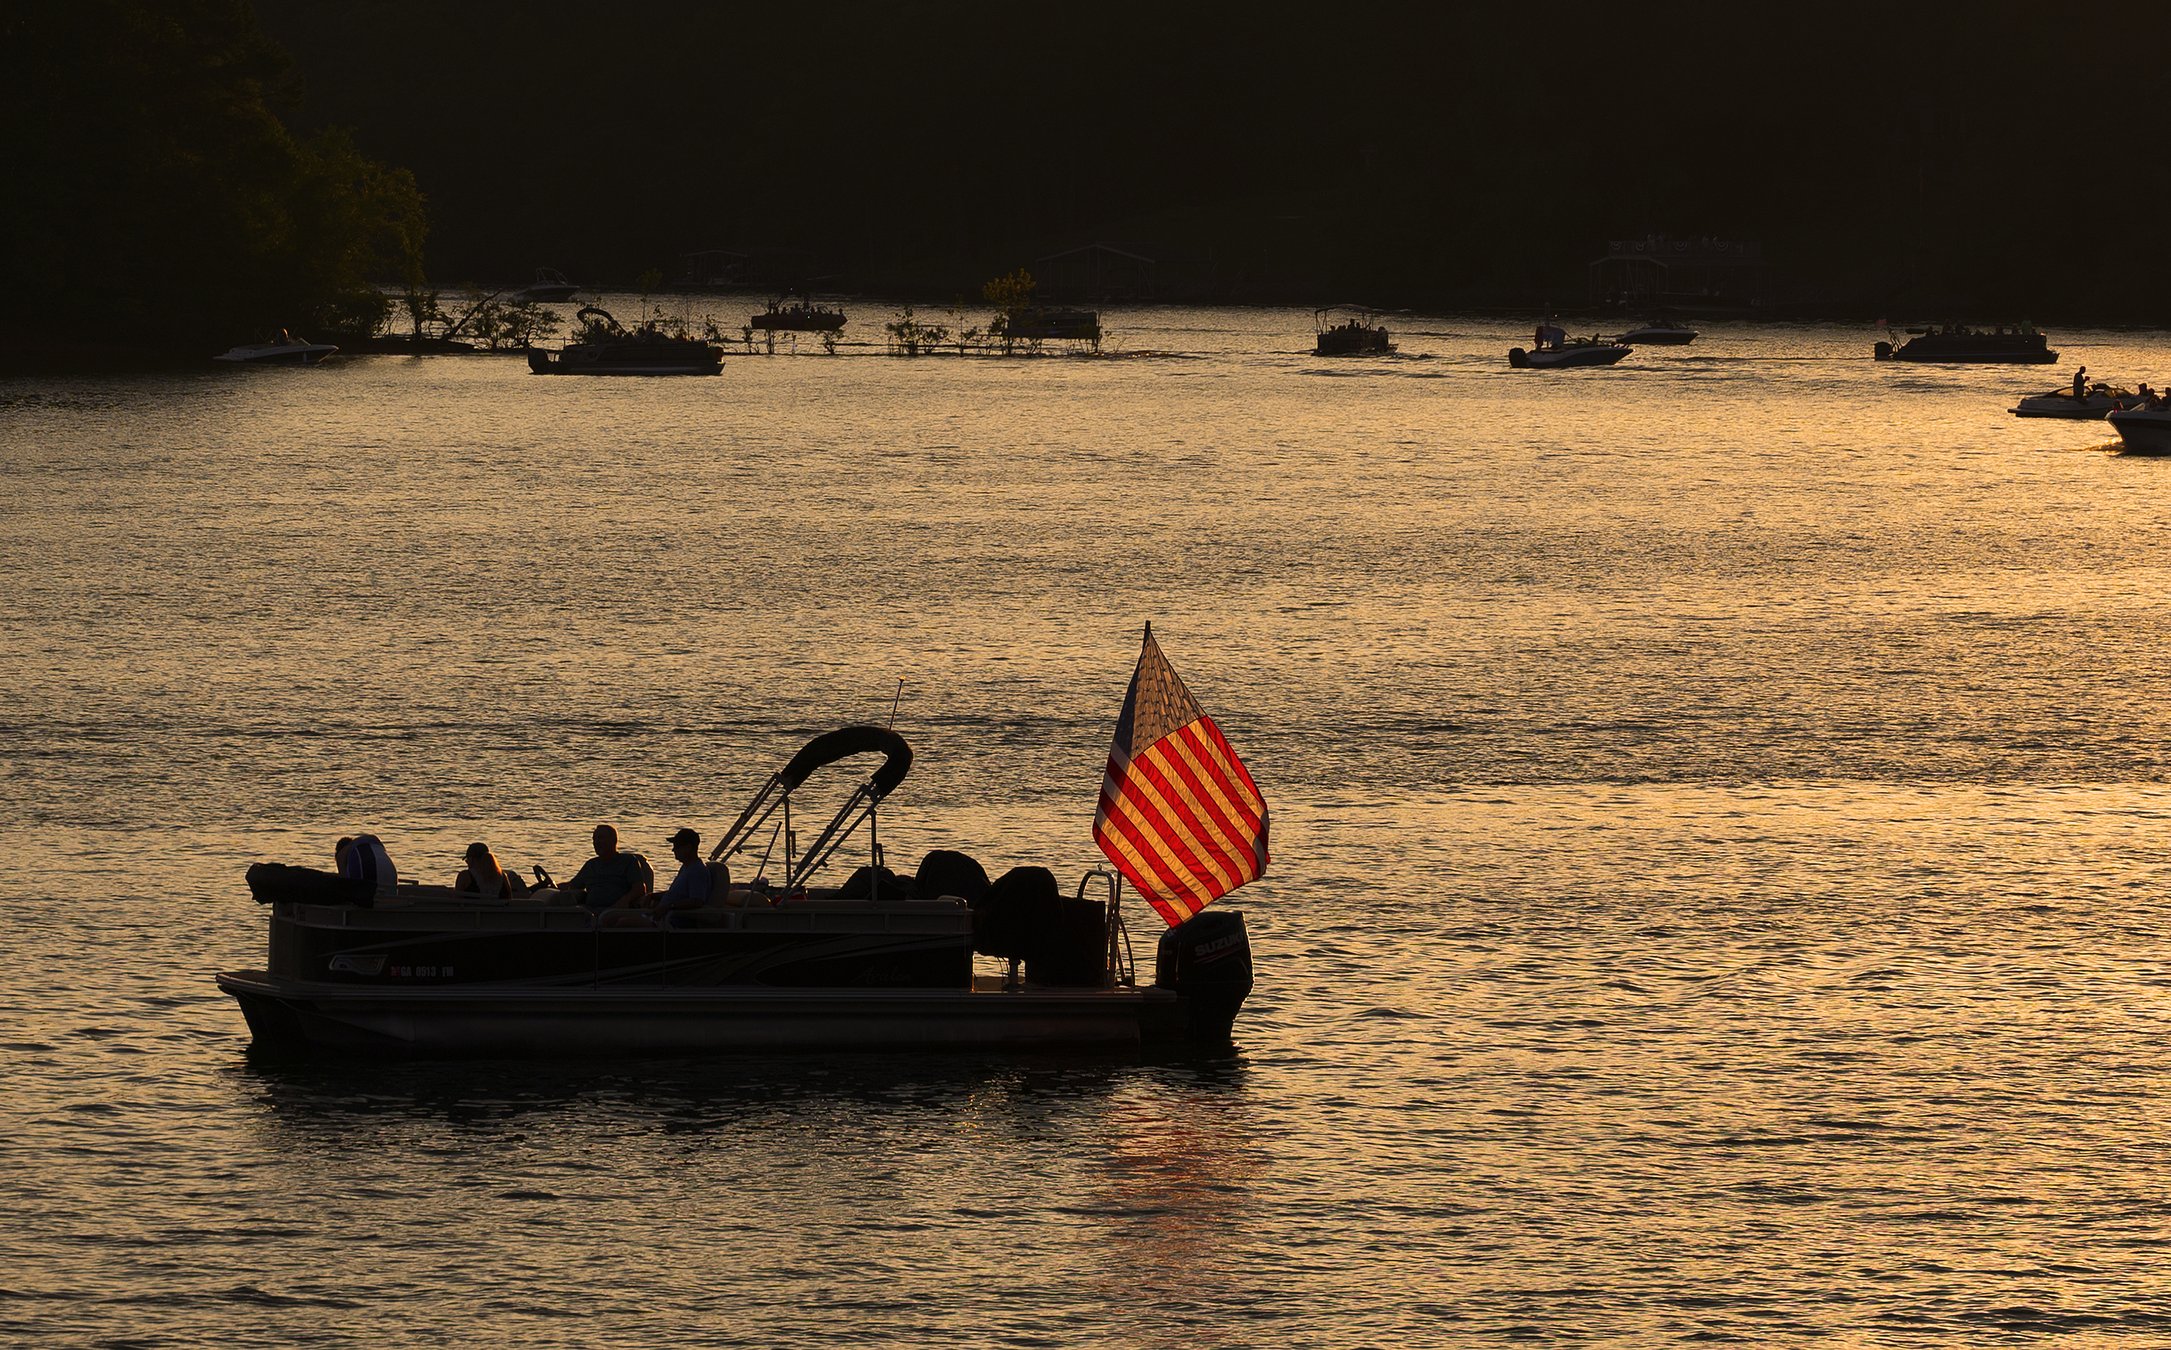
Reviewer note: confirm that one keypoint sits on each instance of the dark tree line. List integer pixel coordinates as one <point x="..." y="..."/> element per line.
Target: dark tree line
<point x="168" y="168"/>
<point x="154" y="197"/>
<point x="1888" y="156"/>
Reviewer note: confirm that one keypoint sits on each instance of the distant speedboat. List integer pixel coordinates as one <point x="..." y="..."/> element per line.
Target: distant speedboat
<point x="1561" y="353"/>
<point x="2145" y="431"/>
<point x="1345" y="330"/>
<point x="1959" y="344"/>
<point x="1660" y="333"/>
<point x="603" y="347"/>
<point x="287" y="351"/>
<point x="2100" y="400"/>
<point x="549" y="287"/>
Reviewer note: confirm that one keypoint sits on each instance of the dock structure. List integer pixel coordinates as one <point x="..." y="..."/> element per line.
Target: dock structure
<point x="1660" y="272"/>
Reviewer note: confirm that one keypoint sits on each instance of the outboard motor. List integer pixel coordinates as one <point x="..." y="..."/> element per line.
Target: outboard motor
<point x="1882" y="351"/>
<point x="1207" y="960"/>
<point x="1518" y="358"/>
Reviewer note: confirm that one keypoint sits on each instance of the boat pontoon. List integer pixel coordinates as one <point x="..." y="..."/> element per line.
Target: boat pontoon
<point x="800" y="315"/>
<point x="1958" y="344"/>
<point x="1350" y="330"/>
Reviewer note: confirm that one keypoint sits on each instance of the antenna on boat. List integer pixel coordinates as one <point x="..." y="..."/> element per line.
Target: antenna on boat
<point x="874" y="823"/>
<point x="763" y="870"/>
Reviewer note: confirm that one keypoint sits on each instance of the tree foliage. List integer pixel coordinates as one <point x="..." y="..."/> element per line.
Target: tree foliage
<point x="156" y="198"/>
<point x="1995" y="152"/>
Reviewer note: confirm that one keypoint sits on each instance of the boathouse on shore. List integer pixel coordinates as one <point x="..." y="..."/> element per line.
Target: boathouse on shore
<point x="1657" y="271"/>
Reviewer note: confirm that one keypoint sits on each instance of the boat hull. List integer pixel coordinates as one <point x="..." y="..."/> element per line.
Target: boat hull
<point x="560" y="363"/>
<point x="279" y="354"/>
<point x="1568" y="358"/>
<point x="2144" y="432"/>
<point x="302" y="1017"/>
<point x="2093" y="408"/>
<point x="1360" y="342"/>
<point x="1971" y="349"/>
<point x="1054" y="325"/>
<point x="782" y="323"/>
<point x="1985" y="359"/>
<point x="518" y="979"/>
<point x="1659" y="337"/>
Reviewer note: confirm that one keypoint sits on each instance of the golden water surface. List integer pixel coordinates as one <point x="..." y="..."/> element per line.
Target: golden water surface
<point x="1718" y="871"/>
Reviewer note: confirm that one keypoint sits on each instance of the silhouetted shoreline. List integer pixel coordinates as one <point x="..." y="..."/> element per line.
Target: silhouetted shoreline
<point x="208" y="169"/>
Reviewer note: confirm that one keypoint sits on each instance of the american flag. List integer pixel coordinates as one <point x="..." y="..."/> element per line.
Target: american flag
<point x="1179" y="817"/>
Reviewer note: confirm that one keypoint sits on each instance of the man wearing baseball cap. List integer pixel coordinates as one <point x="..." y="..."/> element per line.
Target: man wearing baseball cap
<point x="690" y="888"/>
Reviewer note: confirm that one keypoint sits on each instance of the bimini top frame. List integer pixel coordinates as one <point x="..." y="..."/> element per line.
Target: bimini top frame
<point x="827" y="748"/>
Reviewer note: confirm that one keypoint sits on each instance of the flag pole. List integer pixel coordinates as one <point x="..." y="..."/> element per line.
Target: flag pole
<point x="1115" y="893"/>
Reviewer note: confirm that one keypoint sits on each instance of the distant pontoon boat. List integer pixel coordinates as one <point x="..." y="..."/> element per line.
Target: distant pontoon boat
<point x="1959" y="344"/>
<point x="604" y="347"/>
<point x="1038" y="323"/>
<point x="799" y="315"/>
<point x="1350" y="330"/>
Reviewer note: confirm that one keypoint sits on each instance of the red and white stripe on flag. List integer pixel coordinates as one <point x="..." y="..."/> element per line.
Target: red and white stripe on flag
<point x="1179" y="816"/>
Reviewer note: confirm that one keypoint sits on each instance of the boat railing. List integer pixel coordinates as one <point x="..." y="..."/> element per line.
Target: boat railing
<point x="516" y="916"/>
<point x="1121" y="970"/>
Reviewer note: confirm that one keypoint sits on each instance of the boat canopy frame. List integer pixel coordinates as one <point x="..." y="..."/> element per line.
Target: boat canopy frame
<point x="867" y="795"/>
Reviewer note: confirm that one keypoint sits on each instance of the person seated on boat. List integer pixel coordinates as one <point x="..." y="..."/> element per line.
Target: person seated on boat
<point x="611" y="879"/>
<point x="693" y="887"/>
<point x="482" y="876"/>
<point x="362" y="857"/>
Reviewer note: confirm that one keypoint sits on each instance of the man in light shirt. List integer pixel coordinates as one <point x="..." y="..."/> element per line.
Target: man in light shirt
<point x="693" y="886"/>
